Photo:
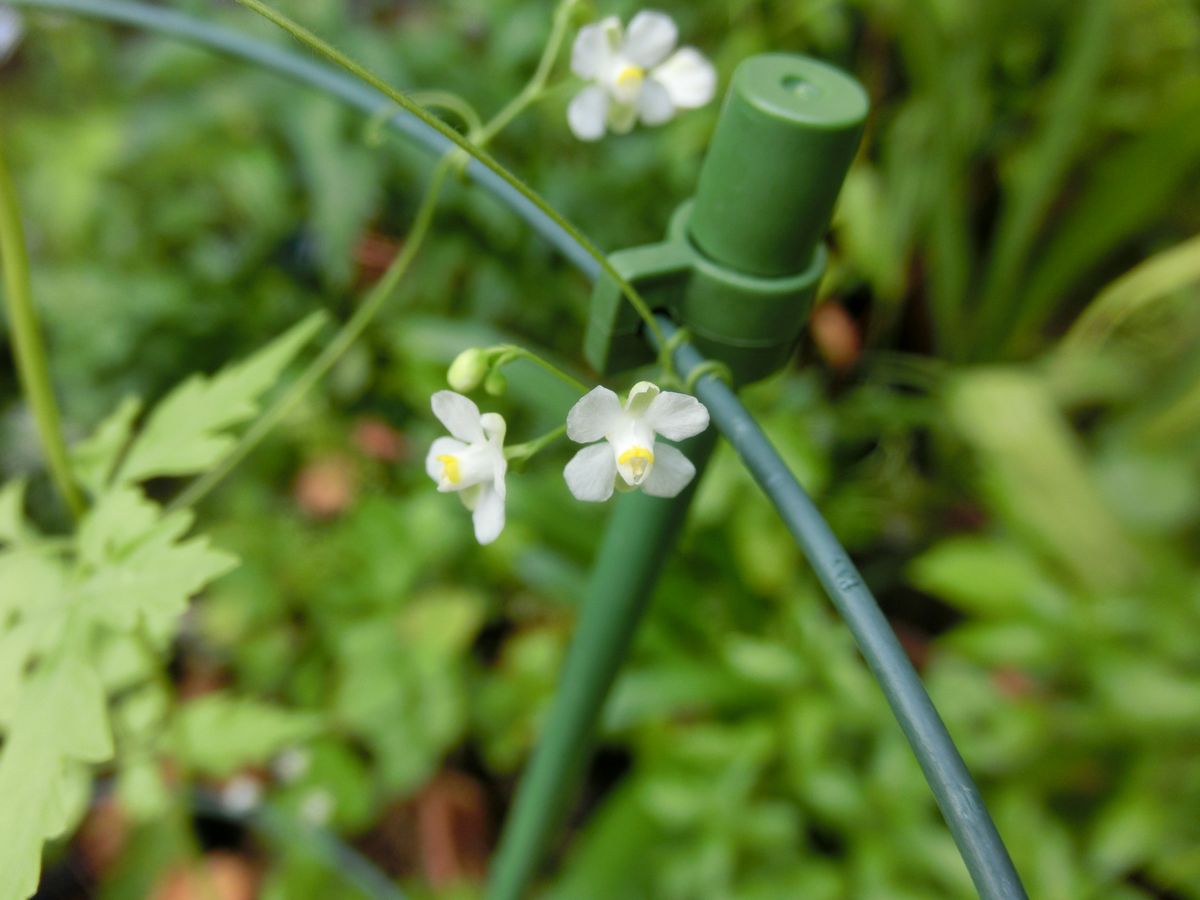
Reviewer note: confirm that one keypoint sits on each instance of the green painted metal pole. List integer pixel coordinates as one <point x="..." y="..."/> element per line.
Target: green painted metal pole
<point x="637" y="543"/>
<point x="957" y="796"/>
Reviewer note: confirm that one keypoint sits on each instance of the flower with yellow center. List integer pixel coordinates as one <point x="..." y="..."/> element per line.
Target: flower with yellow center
<point x="630" y="449"/>
<point x="634" y="75"/>
<point x="471" y="462"/>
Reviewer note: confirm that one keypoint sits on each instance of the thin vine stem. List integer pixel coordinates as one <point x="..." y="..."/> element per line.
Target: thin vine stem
<point x="511" y="352"/>
<point x="527" y="449"/>
<point x="29" y="348"/>
<point x="306" y="37"/>
<point x="536" y="85"/>
<point x="444" y="100"/>
<point x="334" y="350"/>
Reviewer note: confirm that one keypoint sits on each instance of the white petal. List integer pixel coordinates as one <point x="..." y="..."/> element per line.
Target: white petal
<point x="488" y="516"/>
<point x="677" y="416"/>
<point x="672" y="472"/>
<point x="499" y="470"/>
<point x="689" y="78"/>
<point x="443" y="446"/>
<point x="591" y="472"/>
<point x="654" y="105"/>
<point x="11" y="29"/>
<point x="594" y="47"/>
<point x="650" y="37"/>
<point x="640" y="397"/>
<point x="470" y="496"/>
<point x="459" y="415"/>
<point x="593" y="415"/>
<point x="587" y="113"/>
<point x="622" y="117"/>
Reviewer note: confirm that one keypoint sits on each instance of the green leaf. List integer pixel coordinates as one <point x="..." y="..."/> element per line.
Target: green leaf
<point x="1034" y="469"/>
<point x="61" y="720"/>
<point x="32" y="586"/>
<point x="13" y="529"/>
<point x="219" y="734"/>
<point x="984" y="576"/>
<point x="95" y="458"/>
<point x="153" y="578"/>
<point x="188" y="431"/>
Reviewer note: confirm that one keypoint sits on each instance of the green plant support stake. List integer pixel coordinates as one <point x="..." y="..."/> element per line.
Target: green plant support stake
<point x="739" y="268"/>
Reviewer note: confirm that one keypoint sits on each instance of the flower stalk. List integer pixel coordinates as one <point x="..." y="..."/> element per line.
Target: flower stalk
<point x="29" y="348"/>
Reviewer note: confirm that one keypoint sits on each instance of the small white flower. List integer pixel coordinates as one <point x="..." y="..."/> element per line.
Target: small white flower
<point x="629" y="449"/>
<point x="317" y="807"/>
<point x="11" y="29"/>
<point x="241" y="795"/>
<point x="634" y="75"/>
<point x="291" y="764"/>
<point x="471" y="462"/>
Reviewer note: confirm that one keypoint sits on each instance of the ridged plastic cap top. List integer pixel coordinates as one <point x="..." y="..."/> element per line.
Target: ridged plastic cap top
<point x="788" y="131"/>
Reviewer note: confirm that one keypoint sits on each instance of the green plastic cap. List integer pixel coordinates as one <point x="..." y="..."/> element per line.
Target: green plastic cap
<point x="787" y="133"/>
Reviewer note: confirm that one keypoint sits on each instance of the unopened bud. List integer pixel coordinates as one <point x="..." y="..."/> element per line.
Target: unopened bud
<point x="467" y="370"/>
<point x="495" y="384"/>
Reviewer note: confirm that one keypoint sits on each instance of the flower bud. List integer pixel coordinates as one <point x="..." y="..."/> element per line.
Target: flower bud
<point x="467" y="370"/>
<point x="495" y="384"/>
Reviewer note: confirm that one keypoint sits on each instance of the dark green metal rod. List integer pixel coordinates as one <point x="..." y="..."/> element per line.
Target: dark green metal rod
<point x="956" y="794"/>
<point x="982" y="849"/>
<point x="636" y="544"/>
<point x="327" y="79"/>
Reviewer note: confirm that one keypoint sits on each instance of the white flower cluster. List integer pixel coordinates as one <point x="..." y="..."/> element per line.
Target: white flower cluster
<point x="623" y="450"/>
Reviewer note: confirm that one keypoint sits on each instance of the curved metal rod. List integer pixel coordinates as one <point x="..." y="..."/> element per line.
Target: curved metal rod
<point x="956" y="794"/>
<point x="324" y="78"/>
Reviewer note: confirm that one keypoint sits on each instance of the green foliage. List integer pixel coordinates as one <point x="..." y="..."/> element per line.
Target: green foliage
<point x="74" y="613"/>
<point x="1029" y="528"/>
<point x="187" y="432"/>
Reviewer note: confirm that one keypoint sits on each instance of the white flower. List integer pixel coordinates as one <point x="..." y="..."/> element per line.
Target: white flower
<point x="291" y="764"/>
<point x="634" y="75"/>
<point x="241" y="795"/>
<point x="317" y="807"/>
<point x="471" y="462"/>
<point x="629" y="448"/>
<point x="11" y="29"/>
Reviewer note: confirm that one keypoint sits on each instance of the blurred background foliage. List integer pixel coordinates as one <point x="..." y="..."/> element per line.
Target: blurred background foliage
<point x="1026" y="507"/>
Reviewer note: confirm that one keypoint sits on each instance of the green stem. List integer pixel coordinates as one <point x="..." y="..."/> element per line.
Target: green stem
<point x="531" y="448"/>
<point x="444" y="100"/>
<point x="342" y="341"/>
<point x="335" y="56"/>
<point x="512" y="352"/>
<point x="28" y="347"/>
<point x="537" y="84"/>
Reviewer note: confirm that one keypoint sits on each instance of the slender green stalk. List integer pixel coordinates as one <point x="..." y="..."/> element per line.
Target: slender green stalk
<point x="444" y="100"/>
<point x="334" y="350"/>
<point x="315" y="43"/>
<point x="512" y="352"/>
<point x="28" y="347"/>
<point x="529" y="448"/>
<point x="1032" y="195"/>
<point x="537" y="84"/>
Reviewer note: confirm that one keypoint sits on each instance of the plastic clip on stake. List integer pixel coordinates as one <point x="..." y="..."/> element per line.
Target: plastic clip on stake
<point x="741" y="261"/>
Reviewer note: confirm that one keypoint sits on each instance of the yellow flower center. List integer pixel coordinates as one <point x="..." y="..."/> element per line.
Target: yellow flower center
<point x="639" y="459"/>
<point x="630" y="77"/>
<point x="450" y="468"/>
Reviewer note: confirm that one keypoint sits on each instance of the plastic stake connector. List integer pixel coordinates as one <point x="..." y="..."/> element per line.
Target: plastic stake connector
<point x="742" y="260"/>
